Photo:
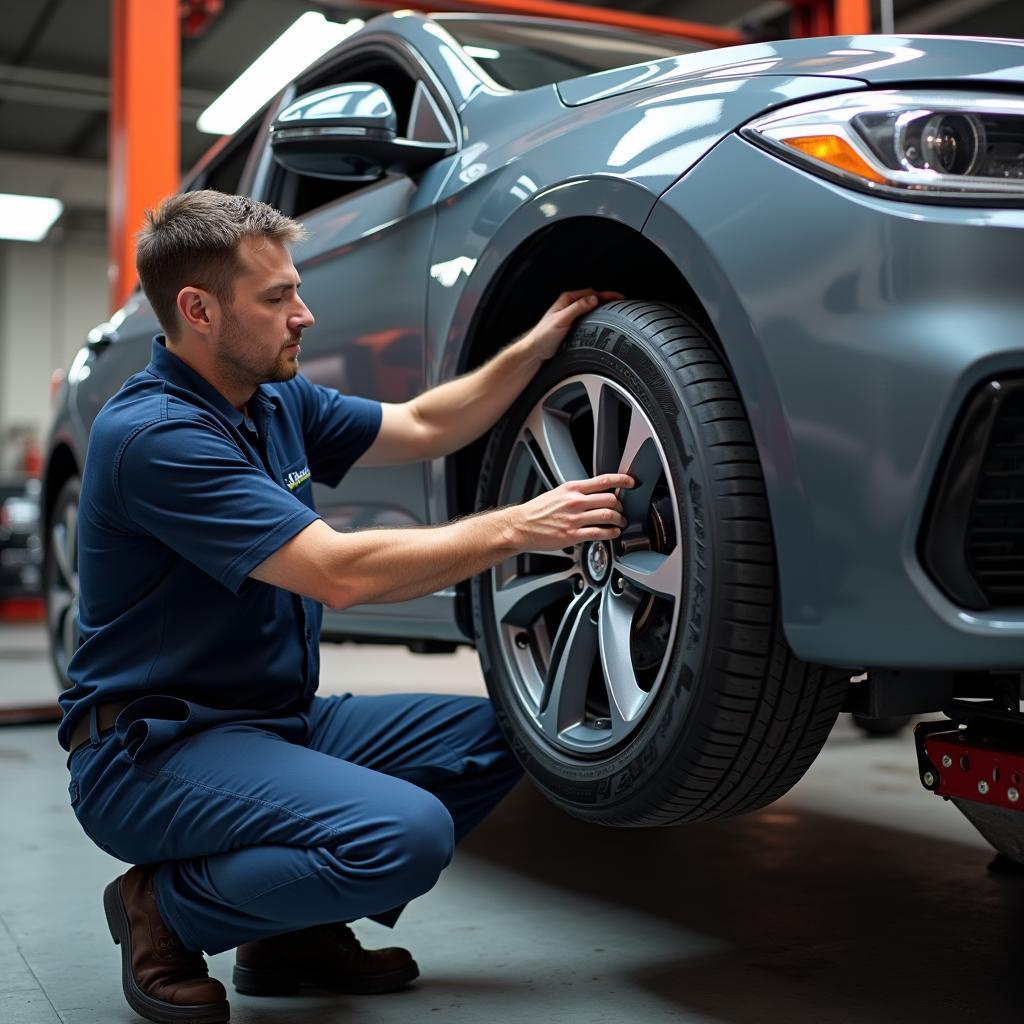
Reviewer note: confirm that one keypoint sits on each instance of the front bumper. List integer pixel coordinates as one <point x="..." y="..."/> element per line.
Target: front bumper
<point x="856" y="328"/>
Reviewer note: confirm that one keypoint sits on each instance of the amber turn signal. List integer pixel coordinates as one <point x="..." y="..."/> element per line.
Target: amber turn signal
<point x="836" y="152"/>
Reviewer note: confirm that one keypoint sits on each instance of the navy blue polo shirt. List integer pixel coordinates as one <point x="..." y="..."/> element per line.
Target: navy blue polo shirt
<point x="182" y="497"/>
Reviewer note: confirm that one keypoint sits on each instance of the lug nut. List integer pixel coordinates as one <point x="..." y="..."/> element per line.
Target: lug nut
<point x="618" y="584"/>
<point x="947" y="761"/>
<point x="602" y="723"/>
<point x="928" y="779"/>
<point x="577" y="584"/>
<point x="983" y="787"/>
<point x="522" y="641"/>
<point x="1013" y="795"/>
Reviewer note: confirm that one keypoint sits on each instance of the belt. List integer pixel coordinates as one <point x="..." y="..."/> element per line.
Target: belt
<point x="106" y="714"/>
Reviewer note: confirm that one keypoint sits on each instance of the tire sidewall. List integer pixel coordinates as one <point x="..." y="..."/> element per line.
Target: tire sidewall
<point x="609" y="345"/>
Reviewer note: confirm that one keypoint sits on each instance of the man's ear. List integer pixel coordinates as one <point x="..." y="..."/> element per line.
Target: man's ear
<point x="198" y="309"/>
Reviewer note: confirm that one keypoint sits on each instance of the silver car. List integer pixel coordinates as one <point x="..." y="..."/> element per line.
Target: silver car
<point x="817" y="377"/>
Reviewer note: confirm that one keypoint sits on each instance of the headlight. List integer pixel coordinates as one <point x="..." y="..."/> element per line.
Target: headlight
<point x="950" y="147"/>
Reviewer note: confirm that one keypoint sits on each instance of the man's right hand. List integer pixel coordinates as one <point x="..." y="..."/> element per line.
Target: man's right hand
<point x="574" y="512"/>
<point x="387" y="565"/>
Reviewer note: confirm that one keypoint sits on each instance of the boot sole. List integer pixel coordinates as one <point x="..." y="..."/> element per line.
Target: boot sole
<point x="156" y="1010"/>
<point x="249" y="981"/>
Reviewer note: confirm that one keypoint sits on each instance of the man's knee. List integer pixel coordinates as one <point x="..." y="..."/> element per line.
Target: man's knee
<point x="413" y="839"/>
<point x="428" y="837"/>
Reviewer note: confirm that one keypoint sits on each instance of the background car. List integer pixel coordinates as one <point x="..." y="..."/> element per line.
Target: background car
<point x="819" y="241"/>
<point x="21" y="546"/>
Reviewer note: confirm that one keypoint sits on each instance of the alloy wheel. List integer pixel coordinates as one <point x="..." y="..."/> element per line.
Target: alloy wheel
<point x="586" y="633"/>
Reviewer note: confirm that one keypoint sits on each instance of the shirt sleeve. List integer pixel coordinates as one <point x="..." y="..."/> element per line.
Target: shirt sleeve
<point x="187" y="484"/>
<point x="338" y="429"/>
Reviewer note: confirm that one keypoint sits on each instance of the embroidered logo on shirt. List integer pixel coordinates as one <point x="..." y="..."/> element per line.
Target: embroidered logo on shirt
<point x="296" y="478"/>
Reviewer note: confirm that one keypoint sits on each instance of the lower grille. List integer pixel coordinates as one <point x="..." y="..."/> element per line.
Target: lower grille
<point x="995" y="533"/>
<point x="973" y="539"/>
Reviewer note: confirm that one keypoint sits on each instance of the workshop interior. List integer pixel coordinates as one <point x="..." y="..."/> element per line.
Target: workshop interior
<point x="767" y="724"/>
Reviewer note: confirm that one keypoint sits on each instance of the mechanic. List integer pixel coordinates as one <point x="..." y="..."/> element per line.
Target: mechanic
<point x="257" y="814"/>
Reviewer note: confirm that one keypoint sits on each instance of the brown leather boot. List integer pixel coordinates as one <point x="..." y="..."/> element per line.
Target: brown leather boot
<point x="162" y="981"/>
<point x="327" y="956"/>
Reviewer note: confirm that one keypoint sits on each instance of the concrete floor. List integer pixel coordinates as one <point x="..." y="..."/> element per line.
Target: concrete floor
<point x="857" y="899"/>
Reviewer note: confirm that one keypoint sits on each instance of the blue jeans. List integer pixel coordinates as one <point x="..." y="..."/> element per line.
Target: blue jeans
<point x="262" y="826"/>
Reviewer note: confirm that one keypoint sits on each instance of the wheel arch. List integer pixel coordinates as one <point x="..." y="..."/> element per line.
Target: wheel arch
<point x="577" y="251"/>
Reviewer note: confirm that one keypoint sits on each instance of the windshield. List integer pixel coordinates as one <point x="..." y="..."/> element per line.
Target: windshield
<point x="527" y="54"/>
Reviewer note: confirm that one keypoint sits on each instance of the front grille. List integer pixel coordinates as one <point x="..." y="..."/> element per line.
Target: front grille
<point x="973" y="538"/>
<point x="995" y="532"/>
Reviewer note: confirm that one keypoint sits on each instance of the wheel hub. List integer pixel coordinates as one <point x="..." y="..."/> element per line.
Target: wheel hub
<point x="598" y="562"/>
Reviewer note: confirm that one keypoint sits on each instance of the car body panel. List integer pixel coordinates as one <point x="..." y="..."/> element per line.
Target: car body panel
<point x="855" y="326"/>
<point x="877" y="60"/>
<point x="613" y="164"/>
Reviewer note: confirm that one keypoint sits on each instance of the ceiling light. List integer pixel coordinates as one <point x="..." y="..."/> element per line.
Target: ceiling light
<point x="310" y="37"/>
<point x="27" y="218"/>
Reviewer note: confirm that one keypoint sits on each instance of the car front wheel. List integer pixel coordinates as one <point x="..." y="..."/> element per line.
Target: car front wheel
<point x="646" y="681"/>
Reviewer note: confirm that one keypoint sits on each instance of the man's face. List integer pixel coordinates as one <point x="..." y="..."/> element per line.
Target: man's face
<point x="262" y="323"/>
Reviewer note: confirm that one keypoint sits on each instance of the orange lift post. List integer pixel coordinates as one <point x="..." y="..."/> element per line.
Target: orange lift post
<point x="144" y="133"/>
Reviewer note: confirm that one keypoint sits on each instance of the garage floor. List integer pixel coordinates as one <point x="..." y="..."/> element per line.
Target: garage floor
<point x="857" y="899"/>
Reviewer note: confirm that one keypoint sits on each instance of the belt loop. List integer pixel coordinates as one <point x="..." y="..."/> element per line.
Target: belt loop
<point x="94" y="732"/>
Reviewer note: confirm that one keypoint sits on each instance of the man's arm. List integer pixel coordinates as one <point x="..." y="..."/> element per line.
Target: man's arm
<point x="376" y="566"/>
<point x="450" y="416"/>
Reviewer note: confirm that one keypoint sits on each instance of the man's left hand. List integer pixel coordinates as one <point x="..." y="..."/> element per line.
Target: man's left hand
<point x="548" y="334"/>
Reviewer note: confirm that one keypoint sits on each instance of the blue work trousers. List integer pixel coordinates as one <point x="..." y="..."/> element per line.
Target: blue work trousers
<point x="268" y="825"/>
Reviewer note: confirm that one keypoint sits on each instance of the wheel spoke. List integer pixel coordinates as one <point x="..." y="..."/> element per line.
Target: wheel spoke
<point x="59" y="605"/>
<point x="60" y="553"/>
<point x="550" y="430"/>
<point x="523" y="598"/>
<point x="616" y="624"/>
<point x="640" y="459"/>
<point x="654" y="572"/>
<point x="604" y="406"/>
<point x="69" y="632"/>
<point x="568" y="676"/>
<point x="71" y="531"/>
<point x="547" y="484"/>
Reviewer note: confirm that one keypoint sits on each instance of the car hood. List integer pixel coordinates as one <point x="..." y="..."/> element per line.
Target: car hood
<point x="877" y="60"/>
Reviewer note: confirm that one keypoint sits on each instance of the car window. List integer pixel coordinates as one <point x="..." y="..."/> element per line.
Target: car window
<point x="226" y="175"/>
<point x="224" y="171"/>
<point x="296" y="194"/>
<point x="525" y="56"/>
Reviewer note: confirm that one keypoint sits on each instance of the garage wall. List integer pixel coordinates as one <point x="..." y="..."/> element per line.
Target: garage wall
<point x="51" y="294"/>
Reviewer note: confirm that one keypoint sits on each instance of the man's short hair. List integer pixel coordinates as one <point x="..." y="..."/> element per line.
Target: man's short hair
<point x="192" y="239"/>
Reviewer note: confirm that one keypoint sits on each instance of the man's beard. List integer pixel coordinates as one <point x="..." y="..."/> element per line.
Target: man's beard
<point x="246" y="366"/>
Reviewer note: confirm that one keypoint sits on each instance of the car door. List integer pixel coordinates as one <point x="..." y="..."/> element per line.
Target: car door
<point x="364" y="270"/>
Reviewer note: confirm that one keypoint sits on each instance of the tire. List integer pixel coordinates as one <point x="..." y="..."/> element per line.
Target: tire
<point x="882" y="726"/>
<point x="60" y="579"/>
<point x="707" y="713"/>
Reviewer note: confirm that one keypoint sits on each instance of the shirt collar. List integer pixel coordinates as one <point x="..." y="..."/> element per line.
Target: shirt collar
<point x="167" y="366"/>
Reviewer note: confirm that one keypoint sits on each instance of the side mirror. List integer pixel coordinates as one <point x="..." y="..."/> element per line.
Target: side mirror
<point x="347" y="133"/>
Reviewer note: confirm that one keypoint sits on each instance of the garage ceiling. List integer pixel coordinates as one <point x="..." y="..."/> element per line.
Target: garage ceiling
<point x="54" y="53"/>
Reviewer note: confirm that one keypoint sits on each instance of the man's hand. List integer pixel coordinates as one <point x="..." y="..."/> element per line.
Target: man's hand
<point x="545" y="337"/>
<point x="572" y="513"/>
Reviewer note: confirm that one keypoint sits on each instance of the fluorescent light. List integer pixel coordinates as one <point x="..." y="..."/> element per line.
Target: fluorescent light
<point x="27" y="218"/>
<point x="308" y="38"/>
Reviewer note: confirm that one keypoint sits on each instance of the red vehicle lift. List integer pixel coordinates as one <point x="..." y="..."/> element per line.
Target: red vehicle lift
<point x="976" y="760"/>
